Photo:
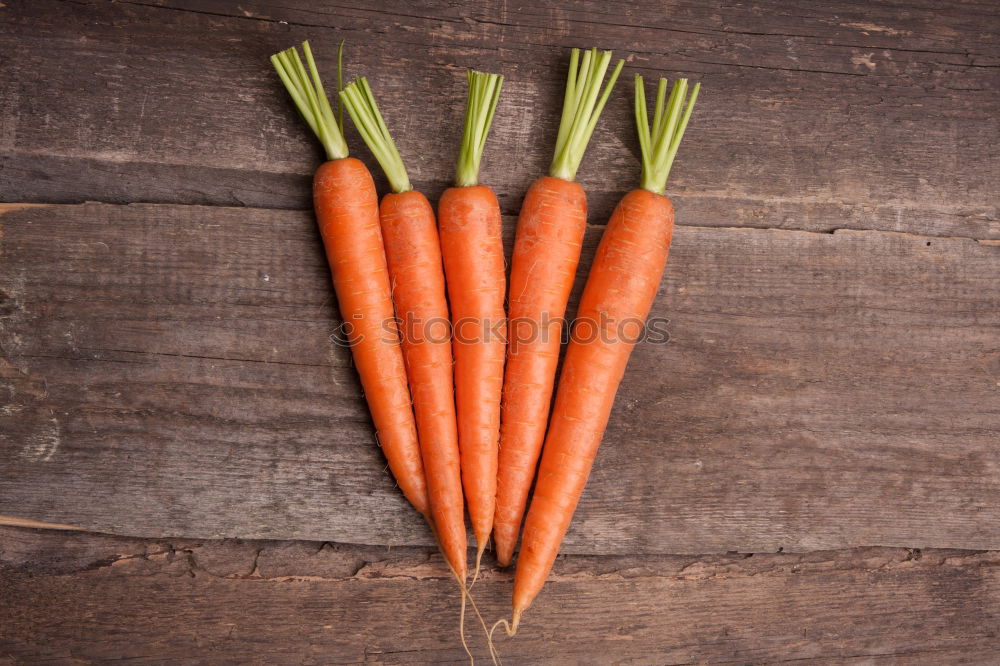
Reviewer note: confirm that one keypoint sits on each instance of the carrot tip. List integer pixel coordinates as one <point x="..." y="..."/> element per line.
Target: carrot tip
<point x="515" y="621"/>
<point x="481" y="548"/>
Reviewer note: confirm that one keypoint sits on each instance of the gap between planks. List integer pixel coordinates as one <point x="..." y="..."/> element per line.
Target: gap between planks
<point x="257" y="560"/>
<point x="14" y="207"/>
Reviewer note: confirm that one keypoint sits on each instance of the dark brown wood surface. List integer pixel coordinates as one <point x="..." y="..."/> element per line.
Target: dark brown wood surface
<point x="814" y="116"/>
<point x="831" y="385"/>
<point x="173" y="364"/>
<point x="94" y="599"/>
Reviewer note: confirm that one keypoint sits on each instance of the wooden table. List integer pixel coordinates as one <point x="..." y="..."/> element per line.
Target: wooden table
<point x="808" y="471"/>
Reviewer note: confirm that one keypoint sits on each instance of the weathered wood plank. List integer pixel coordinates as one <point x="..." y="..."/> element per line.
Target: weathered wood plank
<point x="173" y="366"/>
<point x="86" y="598"/>
<point x="813" y="116"/>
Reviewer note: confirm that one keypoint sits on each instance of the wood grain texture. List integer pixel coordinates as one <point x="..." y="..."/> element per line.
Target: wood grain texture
<point x="173" y="365"/>
<point x="169" y="371"/>
<point x="93" y="599"/>
<point x="813" y="116"/>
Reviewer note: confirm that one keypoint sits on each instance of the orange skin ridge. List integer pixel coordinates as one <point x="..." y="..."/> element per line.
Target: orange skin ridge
<point x="413" y="252"/>
<point x="622" y="285"/>
<point x="547" y="248"/>
<point x="347" y="211"/>
<point x="470" y="229"/>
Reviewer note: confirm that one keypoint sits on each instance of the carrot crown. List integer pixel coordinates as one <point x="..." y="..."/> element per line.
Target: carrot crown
<point x="670" y="118"/>
<point x="360" y="102"/>
<point x="581" y="108"/>
<point x="484" y="93"/>
<point x="307" y="92"/>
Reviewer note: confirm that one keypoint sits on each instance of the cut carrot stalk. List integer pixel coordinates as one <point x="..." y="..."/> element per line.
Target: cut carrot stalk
<point x="546" y="252"/>
<point x="413" y="251"/>
<point x="619" y="293"/>
<point x="469" y="217"/>
<point x="347" y="212"/>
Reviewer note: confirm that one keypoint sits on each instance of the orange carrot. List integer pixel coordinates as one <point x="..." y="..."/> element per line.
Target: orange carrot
<point x="413" y="251"/>
<point x="546" y="251"/>
<point x="347" y="211"/>
<point x="616" y="300"/>
<point x="469" y="217"/>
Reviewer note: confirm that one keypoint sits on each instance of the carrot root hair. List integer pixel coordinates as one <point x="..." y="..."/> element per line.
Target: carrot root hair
<point x="467" y="597"/>
<point x="510" y="628"/>
<point x="461" y="632"/>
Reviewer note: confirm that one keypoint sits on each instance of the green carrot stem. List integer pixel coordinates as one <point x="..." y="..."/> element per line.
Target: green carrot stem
<point x="306" y="90"/>
<point x="340" y="85"/>
<point x="481" y="104"/>
<point x="659" y="142"/>
<point x="360" y="102"/>
<point x="583" y="103"/>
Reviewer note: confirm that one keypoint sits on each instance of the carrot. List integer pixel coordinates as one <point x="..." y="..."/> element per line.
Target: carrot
<point x="413" y="251"/>
<point x="470" y="227"/>
<point x="347" y="211"/>
<point x="546" y="251"/>
<point x="616" y="300"/>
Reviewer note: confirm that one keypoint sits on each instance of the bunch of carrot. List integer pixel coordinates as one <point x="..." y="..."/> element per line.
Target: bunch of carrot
<point x="435" y="392"/>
